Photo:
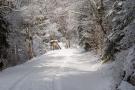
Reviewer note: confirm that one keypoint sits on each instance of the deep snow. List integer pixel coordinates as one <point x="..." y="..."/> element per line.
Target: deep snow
<point x="67" y="69"/>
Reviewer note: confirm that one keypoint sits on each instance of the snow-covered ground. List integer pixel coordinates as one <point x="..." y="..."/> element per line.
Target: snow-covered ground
<point x="67" y="69"/>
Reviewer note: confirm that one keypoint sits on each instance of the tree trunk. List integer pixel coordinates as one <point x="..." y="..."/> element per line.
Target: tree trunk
<point x="30" y="46"/>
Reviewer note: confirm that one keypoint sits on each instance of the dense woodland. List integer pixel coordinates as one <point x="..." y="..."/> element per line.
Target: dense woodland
<point x="106" y="27"/>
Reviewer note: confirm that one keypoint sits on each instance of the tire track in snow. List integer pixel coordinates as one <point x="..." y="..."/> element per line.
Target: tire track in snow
<point x="55" y="85"/>
<point x="56" y="81"/>
<point x="20" y="80"/>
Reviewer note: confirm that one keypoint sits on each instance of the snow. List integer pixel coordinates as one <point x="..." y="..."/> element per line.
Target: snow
<point x="128" y="67"/>
<point x="66" y="69"/>
<point x="126" y="86"/>
<point x="123" y="69"/>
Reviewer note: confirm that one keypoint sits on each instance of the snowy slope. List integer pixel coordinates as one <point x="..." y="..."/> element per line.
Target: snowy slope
<point x="68" y="69"/>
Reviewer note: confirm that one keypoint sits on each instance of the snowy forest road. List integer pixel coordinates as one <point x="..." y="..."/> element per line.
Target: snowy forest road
<point x="68" y="69"/>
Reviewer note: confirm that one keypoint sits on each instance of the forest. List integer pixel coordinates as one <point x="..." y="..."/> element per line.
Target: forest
<point x="67" y="44"/>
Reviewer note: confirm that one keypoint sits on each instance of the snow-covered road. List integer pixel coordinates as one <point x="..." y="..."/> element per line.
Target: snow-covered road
<point x="68" y="69"/>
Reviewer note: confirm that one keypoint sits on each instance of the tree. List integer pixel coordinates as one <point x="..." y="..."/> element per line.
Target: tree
<point x="3" y="37"/>
<point x="4" y="31"/>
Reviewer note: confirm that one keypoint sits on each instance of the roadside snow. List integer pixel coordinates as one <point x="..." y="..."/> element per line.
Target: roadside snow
<point x="67" y="69"/>
<point x="126" y="86"/>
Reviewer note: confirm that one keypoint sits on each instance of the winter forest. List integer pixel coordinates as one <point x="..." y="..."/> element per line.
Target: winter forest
<point x="67" y="44"/>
